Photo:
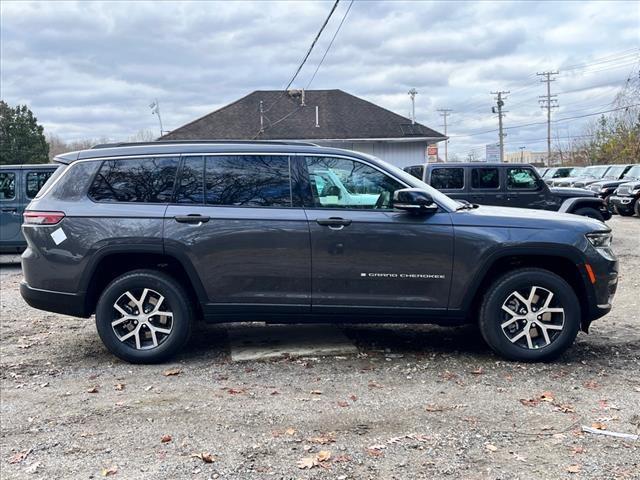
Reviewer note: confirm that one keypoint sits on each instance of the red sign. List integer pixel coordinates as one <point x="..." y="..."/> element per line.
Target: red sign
<point x="432" y="150"/>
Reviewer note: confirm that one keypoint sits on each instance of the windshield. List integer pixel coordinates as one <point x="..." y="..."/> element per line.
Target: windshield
<point x="576" y="171"/>
<point x="409" y="179"/>
<point x="549" y="173"/>
<point x="615" y="172"/>
<point x="595" y="172"/>
<point x="634" y="172"/>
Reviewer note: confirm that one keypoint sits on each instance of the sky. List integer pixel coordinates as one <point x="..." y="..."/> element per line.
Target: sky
<point x="91" y="69"/>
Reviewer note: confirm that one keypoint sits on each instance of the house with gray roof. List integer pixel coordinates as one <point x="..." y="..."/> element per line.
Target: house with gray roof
<point x="326" y="117"/>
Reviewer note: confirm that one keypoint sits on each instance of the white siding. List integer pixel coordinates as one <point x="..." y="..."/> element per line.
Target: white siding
<point x="400" y="154"/>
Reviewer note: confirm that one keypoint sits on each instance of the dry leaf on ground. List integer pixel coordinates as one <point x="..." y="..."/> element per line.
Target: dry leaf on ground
<point x="166" y="438"/>
<point x="171" y="372"/>
<point x="307" y="462"/>
<point x="290" y="431"/>
<point x="574" y="469"/>
<point x="529" y="402"/>
<point x="19" y="457"/>
<point x="316" y="392"/>
<point x="547" y="397"/>
<point x="490" y="447"/>
<point x="599" y="425"/>
<point x="119" y="386"/>
<point x="93" y="390"/>
<point x="323" y="455"/>
<point x="204" y="456"/>
<point x="107" y="472"/>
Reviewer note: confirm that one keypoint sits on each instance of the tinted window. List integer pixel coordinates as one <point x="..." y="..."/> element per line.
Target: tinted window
<point x="485" y="178"/>
<point x="416" y="171"/>
<point x="343" y="183"/>
<point x="149" y="180"/>
<point x="35" y="181"/>
<point x="75" y="182"/>
<point x="447" y="178"/>
<point x="521" y="178"/>
<point x="248" y="180"/>
<point x="191" y="183"/>
<point x="7" y="185"/>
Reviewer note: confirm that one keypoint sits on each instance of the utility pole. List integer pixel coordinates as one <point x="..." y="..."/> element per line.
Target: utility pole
<point x="412" y="93"/>
<point x="500" y="112"/>
<point x="548" y="102"/>
<point x="522" y="154"/>
<point x="444" y="112"/>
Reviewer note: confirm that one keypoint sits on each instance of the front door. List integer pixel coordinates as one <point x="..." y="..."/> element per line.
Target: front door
<point x="523" y="189"/>
<point x="10" y="207"/>
<point x="365" y="256"/>
<point x="236" y="221"/>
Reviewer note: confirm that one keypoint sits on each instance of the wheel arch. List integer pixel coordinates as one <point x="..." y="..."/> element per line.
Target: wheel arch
<point x="111" y="262"/>
<point x="566" y="264"/>
<point x="570" y="205"/>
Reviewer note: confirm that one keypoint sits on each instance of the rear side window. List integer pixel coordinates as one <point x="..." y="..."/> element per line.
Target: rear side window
<point x="191" y="184"/>
<point x="447" y="178"/>
<point x="35" y="182"/>
<point x="521" y="179"/>
<point x="7" y="185"/>
<point x="485" y="178"/>
<point x="146" y="180"/>
<point x="247" y="181"/>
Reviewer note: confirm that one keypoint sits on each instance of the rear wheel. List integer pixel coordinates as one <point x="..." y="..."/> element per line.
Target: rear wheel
<point x="144" y="316"/>
<point x="589" y="212"/>
<point x="530" y="315"/>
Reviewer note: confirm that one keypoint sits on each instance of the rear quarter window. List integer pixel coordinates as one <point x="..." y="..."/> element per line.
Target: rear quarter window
<point x="447" y="178"/>
<point x="7" y="185"/>
<point x="74" y="183"/>
<point x="144" y="180"/>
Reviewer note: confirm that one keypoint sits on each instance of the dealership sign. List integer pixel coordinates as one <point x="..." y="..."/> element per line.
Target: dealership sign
<point x="492" y="153"/>
<point x="432" y="153"/>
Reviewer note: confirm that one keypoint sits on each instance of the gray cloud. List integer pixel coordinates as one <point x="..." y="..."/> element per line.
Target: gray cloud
<point x="90" y="69"/>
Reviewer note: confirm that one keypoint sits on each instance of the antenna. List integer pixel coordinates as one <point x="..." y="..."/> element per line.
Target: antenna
<point x="155" y="110"/>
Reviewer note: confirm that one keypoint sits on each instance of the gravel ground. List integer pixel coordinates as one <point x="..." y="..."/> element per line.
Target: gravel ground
<point x="416" y="402"/>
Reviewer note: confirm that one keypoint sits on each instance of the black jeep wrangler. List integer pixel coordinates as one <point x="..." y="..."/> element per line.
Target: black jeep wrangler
<point x="510" y="185"/>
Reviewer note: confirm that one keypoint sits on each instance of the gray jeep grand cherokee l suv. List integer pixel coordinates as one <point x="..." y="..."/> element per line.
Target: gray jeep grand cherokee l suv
<point x="151" y="237"/>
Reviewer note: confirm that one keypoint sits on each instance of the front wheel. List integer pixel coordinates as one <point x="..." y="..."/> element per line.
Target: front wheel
<point x="624" y="211"/>
<point x="589" y="212"/>
<point x="636" y="208"/>
<point x="144" y="316"/>
<point x="530" y="315"/>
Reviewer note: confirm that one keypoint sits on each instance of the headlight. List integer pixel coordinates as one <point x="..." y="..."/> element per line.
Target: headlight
<point x="602" y="243"/>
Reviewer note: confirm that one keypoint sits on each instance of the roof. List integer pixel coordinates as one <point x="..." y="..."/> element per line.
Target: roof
<point x="28" y="166"/>
<point x="204" y="148"/>
<point x="340" y="116"/>
<point x="479" y="164"/>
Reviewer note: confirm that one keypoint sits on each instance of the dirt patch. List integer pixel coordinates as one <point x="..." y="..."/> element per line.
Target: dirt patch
<point x="415" y="402"/>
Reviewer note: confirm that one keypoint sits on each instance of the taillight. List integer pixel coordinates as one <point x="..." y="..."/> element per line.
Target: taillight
<point x="43" y="218"/>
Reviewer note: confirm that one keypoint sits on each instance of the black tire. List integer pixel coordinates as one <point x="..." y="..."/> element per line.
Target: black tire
<point x="589" y="212"/>
<point x="625" y="212"/>
<point x="492" y="316"/>
<point x="175" y="300"/>
<point x="636" y="208"/>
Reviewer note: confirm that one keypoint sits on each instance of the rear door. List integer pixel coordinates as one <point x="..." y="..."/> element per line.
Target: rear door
<point x="449" y="180"/>
<point x="366" y="257"/>
<point x="236" y="220"/>
<point x="10" y="207"/>
<point x="486" y="186"/>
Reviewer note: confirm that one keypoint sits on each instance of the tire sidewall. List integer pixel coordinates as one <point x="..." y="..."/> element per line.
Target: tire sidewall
<point x="174" y="295"/>
<point x="490" y="315"/>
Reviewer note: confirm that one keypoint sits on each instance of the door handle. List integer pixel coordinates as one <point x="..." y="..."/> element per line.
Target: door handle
<point x="192" y="218"/>
<point x="335" y="223"/>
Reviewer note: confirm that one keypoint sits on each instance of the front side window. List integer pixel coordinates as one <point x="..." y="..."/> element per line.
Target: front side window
<point x="488" y="178"/>
<point x="35" y="181"/>
<point x="344" y="183"/>
<point x="7" y="185"/>
<point x="147" y="180"/>
<point x="447" y="178"/>
<point x="247" y="181"/>
<point x="521" y="179"/>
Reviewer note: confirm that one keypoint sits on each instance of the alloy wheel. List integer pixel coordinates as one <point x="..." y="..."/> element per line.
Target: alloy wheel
<point x="532" y="318"/>
<point x="142" y="319"/>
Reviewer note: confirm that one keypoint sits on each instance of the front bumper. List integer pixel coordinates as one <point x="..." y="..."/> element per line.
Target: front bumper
<point x="57" y="302"/>
<point x="623" y="202"/>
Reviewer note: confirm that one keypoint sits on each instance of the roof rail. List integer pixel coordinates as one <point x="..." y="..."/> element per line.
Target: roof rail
<point x="221" y="142"/>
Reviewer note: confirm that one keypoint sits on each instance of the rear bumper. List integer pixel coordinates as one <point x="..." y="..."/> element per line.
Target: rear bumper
<point x="58" y="302"/>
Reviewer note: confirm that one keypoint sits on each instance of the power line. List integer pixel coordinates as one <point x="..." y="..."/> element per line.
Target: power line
<point x="315" y="40"/>
<point x="344" y="17"/>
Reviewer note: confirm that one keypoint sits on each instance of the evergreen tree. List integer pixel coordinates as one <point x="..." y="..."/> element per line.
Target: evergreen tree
<point x="21" y="138"/>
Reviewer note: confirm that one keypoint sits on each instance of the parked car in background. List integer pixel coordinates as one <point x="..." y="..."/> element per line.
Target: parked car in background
<point x="542" y="171"/>
<point x="511" y="185"/>
<point x="605" y="188"/>
<point x="19" y="184"/>
<point x="615" y="172"/>
<point x="560" y="172"/>
<point x="593" y="172"/>
<point x="151" y="237"/>
<point x="625" y="200"/>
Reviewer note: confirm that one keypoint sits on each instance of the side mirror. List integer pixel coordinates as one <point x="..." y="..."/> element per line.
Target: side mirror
<point x="414" y="200"/>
